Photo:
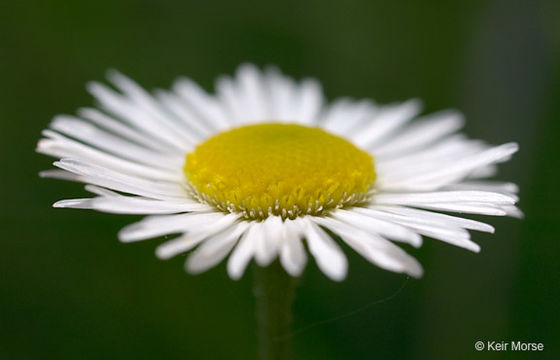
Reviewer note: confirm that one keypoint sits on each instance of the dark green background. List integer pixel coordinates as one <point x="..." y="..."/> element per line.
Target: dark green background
<point x="70" y="290"/>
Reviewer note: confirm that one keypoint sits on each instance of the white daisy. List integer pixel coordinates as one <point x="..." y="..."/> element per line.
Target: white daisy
<point x="265" y="168"/>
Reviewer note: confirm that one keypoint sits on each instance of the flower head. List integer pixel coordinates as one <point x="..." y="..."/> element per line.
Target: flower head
<point x="266" y="168"/>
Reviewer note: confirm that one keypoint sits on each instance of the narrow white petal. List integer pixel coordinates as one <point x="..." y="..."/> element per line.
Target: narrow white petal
<point x="493" y="186"/>
<point x="59" y="174"/>
<point x="513" y="211"/>
<point x="177" y="246"/>
<point x="446" y="151"/>
<point x="89" y="134"/>
<point x="194" y="237"/>
<point x="283" y="95"/>
<point x="458" y="169"/>
<point x="437" y="227"/>
<point x="181" y="109"/>
<point x="267" y="246"/>
<point x="328" y="255"/>
<point x="263" y="253"/>
<point x="242" y="253"/>
<point x="125" y="131"/>
<point x="133" y="205"/>
<point x="378" y="226"/>
<point x="485" y="171"/>
<point x="421" y="133"/>
<point x="408" y="215"/>
<point x="456" y="236"/>
<point x="443" y="197"/>
<point x="292" y="253"/>
<point x="345" y="115"/>
<point x="253" y="94"/>
<point x="63" y="147"/>
<point x="392" y="173"/>
<point x="145" y="102"/>
<point x="97" y="190"/>
<point x="310" y="102"/>
<point x="229" y="96"/>
<point x="129" y="112"/>
<point x="202" y="104"/>
<point x="215" y="249"/>
<point x="96" y="175"/>
<point x="153" y="226"/>
<point x="467" y="208"/>
<point x="374" y="248"/>
<point x="388" y="119"/>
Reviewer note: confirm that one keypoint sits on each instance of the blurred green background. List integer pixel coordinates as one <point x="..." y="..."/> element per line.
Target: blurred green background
<point x="70" y="290"/>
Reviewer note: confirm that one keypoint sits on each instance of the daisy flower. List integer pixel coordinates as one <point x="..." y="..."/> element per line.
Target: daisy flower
<point x="265" y="168"/>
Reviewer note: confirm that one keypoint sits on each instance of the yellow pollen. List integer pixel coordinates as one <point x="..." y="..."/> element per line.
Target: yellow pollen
<point x="279" y="169"/>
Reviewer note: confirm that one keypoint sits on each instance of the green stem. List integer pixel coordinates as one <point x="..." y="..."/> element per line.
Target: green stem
<point x="274" y="294"/>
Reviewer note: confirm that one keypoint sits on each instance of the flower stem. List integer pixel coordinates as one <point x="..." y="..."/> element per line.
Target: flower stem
<point x="274" y="294"/>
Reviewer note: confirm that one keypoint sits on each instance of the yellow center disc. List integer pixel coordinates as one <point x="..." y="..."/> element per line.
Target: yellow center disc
<point x="279" y="169"/>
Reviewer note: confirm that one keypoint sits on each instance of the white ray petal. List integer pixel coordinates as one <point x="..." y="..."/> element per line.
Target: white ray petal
<point x="406" y="215"/>
<point x="447" y="150"/>
<point x="60" y="174"/>
<point x="292" y="253"/>
<point x="104" y="183"/>
<point x="192" y="121"/>
<point x="262" y="251"/>
<point x="100" y="176"/>
<point x="243" y="253"/>
<point x="421" y="133"/>
<point x="63" y="147"/>
<point x="438" y="227"/>
<point x="283" y="95"/>
<point x="229" y="95"/>
<point x="133" y="205"/>
<point x="125" y="131"/>
<point x="443" y="197"/>
<point x="328" y="255"/>
<point x="457" y="236"/>
<point x="202" y="104"/>
<point x="101" y="191"/>
<point x="458" y="169"/>
<point x="378" y="226"/>
<point x="513" y="211"/>
<point x="124" y="109"/>
<point x="215" y="249"/>
<point x="158" y="225"/>
<point x="144" y="101"/>
<point x="374" y="248"/>
<point x="267" y="246"/>
<point x="493" y="186"/>
<point x="177" y="246"/>
<point x="188" y="241"/>
<point x="192" y="238"/>
<point x="388" y="119"/>
<point x="253" y="94"/>
<point x="485" y="171"/>
<point x="93" y="136"/>
<point x="310" y="102"/>
<point x="467" y="208"/>
<point x="440" y="155"/>
<point x="345" y="115"/>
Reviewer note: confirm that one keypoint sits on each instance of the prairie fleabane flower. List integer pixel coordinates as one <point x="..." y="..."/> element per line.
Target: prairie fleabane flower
<point x="265" y="168"/>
